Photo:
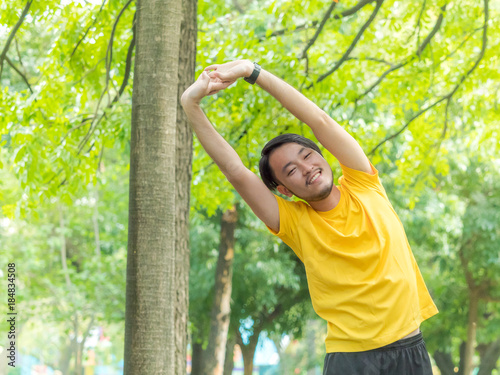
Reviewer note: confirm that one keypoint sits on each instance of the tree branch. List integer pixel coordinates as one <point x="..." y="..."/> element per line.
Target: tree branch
<point x="283" y="31"/>
<point x="92" y="118"/>
<point x="465" y="265"/>
<point x="433" y="32"/>
<point x="353" y="44"/>
<point x="19" y="55"/>
<point x="128" y="64"/>
<point x="87" y="31"/>
<point x="417" y="26"/>
<point x="353" y="10"/>
<point x="109" y="59"/>
<point x="13" y="33"/>
<point x="370" y="59"/>
<point x="400" y="65"/>
<point x="466" y="39"/>
<point x="379" y="80"/>
<point x="238" y="7"/>
<point x="18" y="72"/>
<point x="304" y="26"/>
<point x="449" y="95"/>
<point x="392" y="136"/>
<point x="483" y="47"/>
<point x="318" y="30"/>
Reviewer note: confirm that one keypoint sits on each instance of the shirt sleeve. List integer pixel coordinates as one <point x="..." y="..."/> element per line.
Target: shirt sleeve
<point x="359" y="180"/>
<point x="289" y="216"/>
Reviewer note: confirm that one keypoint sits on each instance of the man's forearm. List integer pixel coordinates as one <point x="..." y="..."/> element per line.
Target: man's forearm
<point x="295" y="102"/>
<point x="214" y="144"/>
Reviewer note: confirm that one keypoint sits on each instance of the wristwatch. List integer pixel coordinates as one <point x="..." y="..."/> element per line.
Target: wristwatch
<point x="254" y="75"/>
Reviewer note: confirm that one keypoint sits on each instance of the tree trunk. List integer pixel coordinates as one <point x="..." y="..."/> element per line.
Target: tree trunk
<point x="65" y="356"/>
<point x="221" y="309"/>
<point x="248" y="351"/>
<point x="76" y="346"/>
<point x="310" y="328"/>
<point x="184" y="150"/>
<point x="490" y="358"/>
<point x="461" y="352"/>
<point x="444" y="362"/>
<point x="470" y="345"/>
<point x="197" y="358"/>
<point x="229" y="358"/>
<point x="150" y="331"/>
<point x="95" y="222"/>
<point x="277" y="339"/>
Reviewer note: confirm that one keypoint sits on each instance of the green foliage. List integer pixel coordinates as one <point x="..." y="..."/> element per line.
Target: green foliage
<point x="57" y="128"/>
<point x="247" y="117"/>
<point x="95" y="292"/>
<point x="454" y="232"/>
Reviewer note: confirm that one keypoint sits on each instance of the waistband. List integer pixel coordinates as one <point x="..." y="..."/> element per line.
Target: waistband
<point x="402" y="344"/>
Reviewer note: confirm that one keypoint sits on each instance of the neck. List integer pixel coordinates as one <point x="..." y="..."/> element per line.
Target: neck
<point x="329" y="203"/>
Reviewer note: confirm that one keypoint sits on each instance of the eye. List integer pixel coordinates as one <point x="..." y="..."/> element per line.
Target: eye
<point x="309" y="154"/>
<point x="291" y="171"/>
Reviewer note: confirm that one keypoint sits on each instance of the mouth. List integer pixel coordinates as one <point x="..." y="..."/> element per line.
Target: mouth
<point x="314" y="177"/>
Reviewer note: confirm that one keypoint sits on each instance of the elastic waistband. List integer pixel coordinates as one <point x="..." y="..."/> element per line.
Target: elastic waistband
<point x="403" y="343"/>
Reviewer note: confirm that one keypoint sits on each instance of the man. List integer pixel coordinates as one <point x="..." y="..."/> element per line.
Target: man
<point x="362" y="276"/>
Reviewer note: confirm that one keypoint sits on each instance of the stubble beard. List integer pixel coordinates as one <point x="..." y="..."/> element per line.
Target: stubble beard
<point x="323" y="194"/>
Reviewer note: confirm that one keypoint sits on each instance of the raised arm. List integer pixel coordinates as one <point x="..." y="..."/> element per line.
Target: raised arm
<point x="327" y="131"/>
<point x="249" y="186"/>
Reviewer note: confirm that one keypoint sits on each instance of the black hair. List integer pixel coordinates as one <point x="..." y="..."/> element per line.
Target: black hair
<point x="266" y="172"/>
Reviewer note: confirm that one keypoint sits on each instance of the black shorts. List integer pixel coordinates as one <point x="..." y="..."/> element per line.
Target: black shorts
<point x="404" y="357"/>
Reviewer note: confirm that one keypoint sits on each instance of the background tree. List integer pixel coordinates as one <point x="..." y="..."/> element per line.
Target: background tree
<point x="219" y="320"/>
<point x="269" y="290"/>
<point x="457" y="225"/>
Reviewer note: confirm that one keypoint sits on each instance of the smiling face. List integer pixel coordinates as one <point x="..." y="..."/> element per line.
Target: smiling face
<point x="301" y="171"/>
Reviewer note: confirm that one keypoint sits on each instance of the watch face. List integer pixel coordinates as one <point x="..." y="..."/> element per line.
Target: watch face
<point x="254" y="75"/>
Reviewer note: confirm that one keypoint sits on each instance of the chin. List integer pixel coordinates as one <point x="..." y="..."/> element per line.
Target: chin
<point x="322" y="194"/>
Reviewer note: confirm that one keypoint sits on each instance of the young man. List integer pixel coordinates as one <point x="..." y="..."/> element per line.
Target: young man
<point x="362" y="276"/>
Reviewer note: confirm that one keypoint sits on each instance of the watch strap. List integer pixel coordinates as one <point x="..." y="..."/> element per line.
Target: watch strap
<point x="253" y="77"/>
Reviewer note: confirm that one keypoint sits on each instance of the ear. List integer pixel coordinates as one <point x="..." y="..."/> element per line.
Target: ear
<point x="283" y="190"/>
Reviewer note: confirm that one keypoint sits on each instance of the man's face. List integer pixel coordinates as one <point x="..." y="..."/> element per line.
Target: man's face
<point x="301" y="171"/>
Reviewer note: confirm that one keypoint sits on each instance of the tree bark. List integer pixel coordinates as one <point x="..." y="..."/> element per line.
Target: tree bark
<point x="221" y="309"/>
<point x="248" y="351"/>
<point x="95" y="222"/>
<point x="490" y="358"/>
<point x="197" y="358"/>
<point x="281" y="353"/>
<point x="65" y="356"/>
<point x="444" y="362"/>
<point x="150" y="342"/>
<point x="461" y="352"/>
<point x="229" y="358"/>
<point x="76" y="346"/>
<point x="184" y="150"/>
<point x="470" y="345"/>
<point x="311" y="346"/>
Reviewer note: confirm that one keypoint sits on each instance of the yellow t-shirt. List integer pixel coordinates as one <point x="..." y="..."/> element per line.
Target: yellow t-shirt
<point x="362" y="276"/>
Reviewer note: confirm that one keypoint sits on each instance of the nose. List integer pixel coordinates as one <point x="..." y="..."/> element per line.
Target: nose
<point x="306" y="169"/>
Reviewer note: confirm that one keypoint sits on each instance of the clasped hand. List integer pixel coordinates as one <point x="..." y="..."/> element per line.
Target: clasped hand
<point x="216" y="77"/>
